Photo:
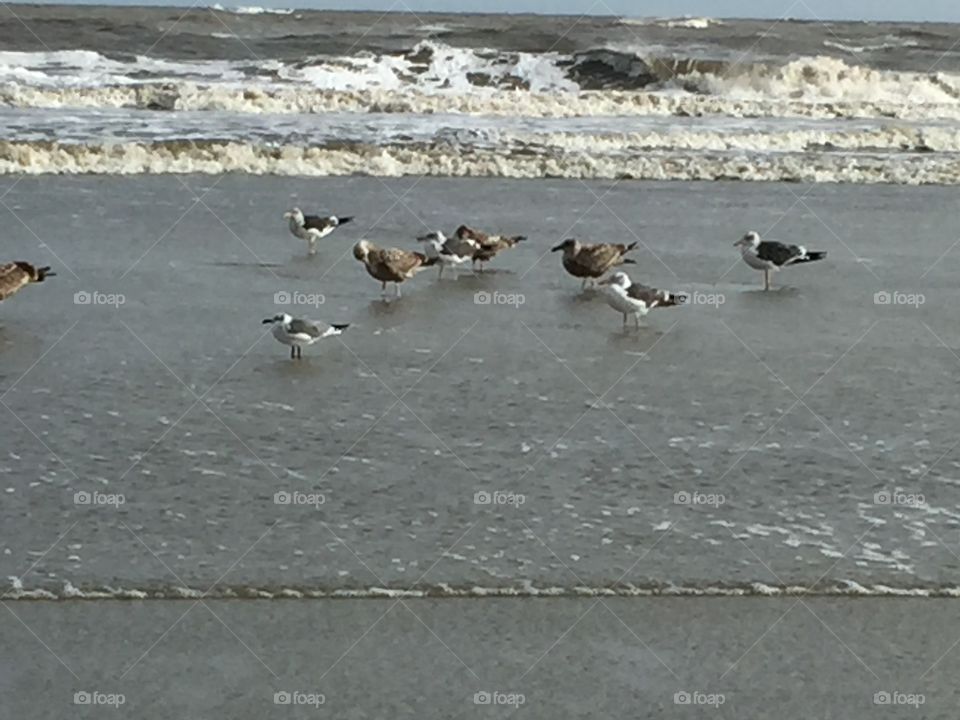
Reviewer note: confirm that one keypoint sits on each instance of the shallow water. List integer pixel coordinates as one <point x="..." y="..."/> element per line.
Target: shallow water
<point x="796" y="405"/>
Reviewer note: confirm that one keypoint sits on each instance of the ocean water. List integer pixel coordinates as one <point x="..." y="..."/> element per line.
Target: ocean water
<point x="488" y="489"/>
<point x="750" y="442"/>
<point x="328" y="93"/>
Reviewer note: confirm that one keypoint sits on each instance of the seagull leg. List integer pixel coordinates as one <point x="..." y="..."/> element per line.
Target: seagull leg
<point x="383" y="289"/>
<point x="766" y="279"/>
<point x="440" y="276"/>
<point x="398" y="289"/>
<point x="299" y="352"/>
<point x="293" y="351"/>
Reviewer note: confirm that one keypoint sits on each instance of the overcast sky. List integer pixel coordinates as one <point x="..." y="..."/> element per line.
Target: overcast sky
<point x="931" y="10"/>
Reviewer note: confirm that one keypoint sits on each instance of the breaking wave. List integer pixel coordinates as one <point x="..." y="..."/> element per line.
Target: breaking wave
<point x="602" y="80"/>
<point x="444" y="159"/>
<point x="441" y="590"/>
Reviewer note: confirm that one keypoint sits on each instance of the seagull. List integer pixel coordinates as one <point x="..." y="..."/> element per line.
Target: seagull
<point x="628" y="298"/>
<point x="770" y="255"/>
<point x="296" y="332"/>
<point x="312" y="227"/>
<point x="485" y="247"/>
<point x="391" y="264"/>
<point x="593" y="261"/>
<point x="15" y="275"/>
<point x="439" y="248"/>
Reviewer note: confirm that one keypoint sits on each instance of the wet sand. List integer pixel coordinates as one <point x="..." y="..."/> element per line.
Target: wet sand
<point x="825" y="658"/>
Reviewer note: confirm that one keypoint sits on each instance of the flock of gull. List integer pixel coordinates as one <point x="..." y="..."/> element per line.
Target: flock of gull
<point x="587" y="262"/>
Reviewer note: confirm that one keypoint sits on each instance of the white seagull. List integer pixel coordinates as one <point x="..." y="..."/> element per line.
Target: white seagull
<point x="629" y="298"/>
<point x="297" y="332"/>
<point x="770" y="255"/>
<point x="438" y="246"/>
<point x="312" y="227"/>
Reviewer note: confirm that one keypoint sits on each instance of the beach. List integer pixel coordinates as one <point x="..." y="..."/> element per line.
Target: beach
<point x="489" y="491"/>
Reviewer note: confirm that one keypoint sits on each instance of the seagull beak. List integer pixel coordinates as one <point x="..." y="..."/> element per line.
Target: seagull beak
<point x="287" y="215"/>
<point x="49" y="274"/>
<point x="740" y="242"/>
<point x="558" y="247"/>
<point x="268" y="321"/>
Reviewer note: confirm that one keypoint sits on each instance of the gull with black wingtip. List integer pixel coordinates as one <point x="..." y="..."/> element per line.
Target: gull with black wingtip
<point x="630" y="298"/>
<point x="771" y="256"/>
<point x="312" y="228"/>
<point x="297" y="332"/>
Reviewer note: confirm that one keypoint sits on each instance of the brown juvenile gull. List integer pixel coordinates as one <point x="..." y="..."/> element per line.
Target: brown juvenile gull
<point x="484" y="247"/>
<point x="629" y="298"/>
<point x="15" y="275"/>
<point x="771" y="256"/>
<point x="592" y="261"/>
<point x="312" y="227"/>
<point x="390" y="264"/>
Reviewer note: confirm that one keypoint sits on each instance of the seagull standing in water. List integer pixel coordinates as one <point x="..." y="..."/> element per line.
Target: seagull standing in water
<point x="390" y="264"/>
<point x="436" y="246"/>
<point x="593" y="261"/>
<point x="312" y="228"/>
<point x="771" y="256"/>
<point x="19" y="274"/>
<point x="297" y="332"/>
<point x="629" y="298"/>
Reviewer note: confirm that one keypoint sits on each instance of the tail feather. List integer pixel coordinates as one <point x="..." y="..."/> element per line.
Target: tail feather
<point x="628" y="261"/>
<point x="811" y="257"/>
<point x="669" y="299"/>
<point x="629" y="247"/>
<point x="344" y="220"/>
<point x="340" y="327"/>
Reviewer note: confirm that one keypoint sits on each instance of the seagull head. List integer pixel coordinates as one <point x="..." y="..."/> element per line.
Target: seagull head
<point x="751" y="239"/>
<point x="569" y="245"/>
<point x="282" y="318"/>
<point x="294" y="214"/>
<point x="618" y="279"/>
<point x="362" y="249"/>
